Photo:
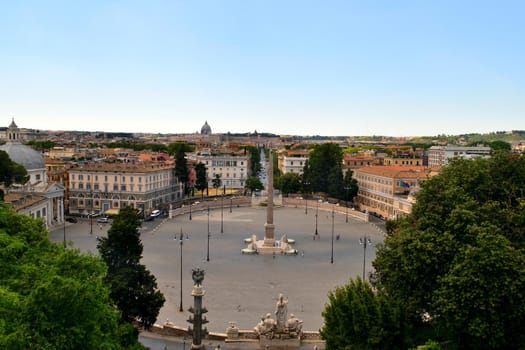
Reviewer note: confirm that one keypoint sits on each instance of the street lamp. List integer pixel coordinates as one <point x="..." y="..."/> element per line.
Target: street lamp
<point x="332" y="255"/>
<point x="64" y="220"/>
<point x="305" y="199"/>
<point x="364" y="241"/>
<point x="90" y="214"/>
<point x="181" y="239"/>
<point x="316" y="215"/>
<point x="222" y="207"/>
<point x="208" y="249"/>
<point x="346" y="202"/>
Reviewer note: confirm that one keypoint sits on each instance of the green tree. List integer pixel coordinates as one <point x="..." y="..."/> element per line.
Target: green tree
<point x="291" y="183"/>
<point x="324" y="167"/>
<point x="216" y="182"/>
<point x="181" y="168"/>
<point x="350" y="187"/>
<point x="52" y="297"/>
<point x="439" y="261"/>
<point x="133" y="287"/>
<point x="357" y="318"/>
<point x="11" y="172"/>
<point x="255" y="159"/>
<point x="253" y="183"/>
<point x="202" y="178"/>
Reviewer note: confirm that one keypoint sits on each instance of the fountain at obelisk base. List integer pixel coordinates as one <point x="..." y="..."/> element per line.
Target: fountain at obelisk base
<point x="269" y="245"/>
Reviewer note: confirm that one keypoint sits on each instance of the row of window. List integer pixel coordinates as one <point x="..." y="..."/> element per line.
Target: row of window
<point x="150" y="178"/>
<point x="227" y="174"/>
<point x="226" y="163"/>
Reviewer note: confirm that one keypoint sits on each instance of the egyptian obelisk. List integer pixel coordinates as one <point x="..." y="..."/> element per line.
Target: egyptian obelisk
<point x="269" y="228"/>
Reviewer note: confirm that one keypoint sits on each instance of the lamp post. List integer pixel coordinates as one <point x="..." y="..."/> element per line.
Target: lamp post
<point x="190" y="210"/>
<point x="90" y="212"/>
<point x="332" y="255"/>
<point x="231" y="203"/>
<point x="208" y="248"/>
<point x="64" y="221"/>
<point x="316" y="215"/>
<point x="181" y="239"/>
<point x="346" y="201"/>
<point x="305" y="199"/>
<point x="222" y="210"/>
<point x="364" y="241"/>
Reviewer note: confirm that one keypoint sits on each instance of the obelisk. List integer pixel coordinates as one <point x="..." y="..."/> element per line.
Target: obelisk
<point x="269" y="228"/>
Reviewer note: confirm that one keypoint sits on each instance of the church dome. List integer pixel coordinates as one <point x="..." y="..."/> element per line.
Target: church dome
<point x="206" y="129"/>
<point x="24" y="155"/>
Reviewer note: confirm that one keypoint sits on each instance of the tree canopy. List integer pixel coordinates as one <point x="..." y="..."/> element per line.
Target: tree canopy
<point x="133" y="287"/>
<point x="323" y="171"/>
<point x="52" y="297"/>
<point x="457" y="263"/>
<point x="253" y="183"/>
<point x="202" y="179"/>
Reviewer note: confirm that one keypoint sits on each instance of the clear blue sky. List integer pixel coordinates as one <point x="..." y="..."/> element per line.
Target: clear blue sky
<point x="396" y="68"/>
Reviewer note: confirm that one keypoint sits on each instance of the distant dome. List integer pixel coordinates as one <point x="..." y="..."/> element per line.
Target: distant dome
<point x="206" y="130"/>
<point x="19" y="153"/>
<point x="24" y="155"/>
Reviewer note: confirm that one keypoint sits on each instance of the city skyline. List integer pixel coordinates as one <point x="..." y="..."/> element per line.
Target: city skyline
<point x="336" y="68"/>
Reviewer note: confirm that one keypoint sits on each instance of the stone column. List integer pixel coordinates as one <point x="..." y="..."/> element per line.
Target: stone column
<point x="269" y="227"/>
<point x="197" y="310"/>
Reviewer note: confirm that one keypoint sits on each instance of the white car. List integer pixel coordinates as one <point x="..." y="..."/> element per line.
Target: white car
<point x="155" y="213"/>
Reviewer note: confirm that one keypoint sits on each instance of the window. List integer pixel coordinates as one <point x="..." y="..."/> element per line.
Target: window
<point x="115" y="187"/>
<point x="43" y="211"/>
<point x="38" y="176"/>
<point x="122" y="187"/>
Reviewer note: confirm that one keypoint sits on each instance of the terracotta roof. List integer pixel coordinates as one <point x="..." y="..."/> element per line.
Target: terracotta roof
<point x="397" y="171"/>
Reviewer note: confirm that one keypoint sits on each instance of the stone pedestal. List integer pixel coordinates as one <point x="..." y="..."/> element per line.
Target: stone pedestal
<point x="275" y="343"/>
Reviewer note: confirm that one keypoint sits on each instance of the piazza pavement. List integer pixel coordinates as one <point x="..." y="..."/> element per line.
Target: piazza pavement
<point x="242" y="288"/>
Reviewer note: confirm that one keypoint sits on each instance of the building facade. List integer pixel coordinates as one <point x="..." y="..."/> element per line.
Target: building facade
<point x="292" y="161"/>
<point x="386" y="190"/>
<point x="232" y="169"/>
<point x="440" y="155"/>
<point x="105" y="188"/>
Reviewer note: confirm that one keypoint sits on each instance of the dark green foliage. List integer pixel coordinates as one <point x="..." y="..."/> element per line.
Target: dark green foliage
<point x="216" y="181"/>
<point x="458" y="260"/>
<point x="41" y="145"/>
<point x="350" y="186"/>
<point x="181" y="166"/>
<point x="253" y="183"/>
<point x="357" y="318"/>
<point x="201" y="182"/>
<point x="133" y="287"/>
<point x="11" y="172"/>
<point x="52" y="297"/>
<point x="323" y="171"/>
<point x="290" y="183"/>
<point x="255" y="159"/>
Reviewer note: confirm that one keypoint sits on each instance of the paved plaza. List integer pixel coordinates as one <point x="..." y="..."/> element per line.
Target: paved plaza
<point x="242" y="288"/>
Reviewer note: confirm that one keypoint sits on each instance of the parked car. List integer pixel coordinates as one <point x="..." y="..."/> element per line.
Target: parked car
<point x="72" y="219"/>
<point x="155" y="213"/>
<point x="103" y="220"/>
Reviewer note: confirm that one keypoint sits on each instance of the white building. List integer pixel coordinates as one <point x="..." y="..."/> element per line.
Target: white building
<point x="440" y="155"/>
<point x="38" y="197"/>
<point x="232" y="169"/>
<point x="293" y="162"/>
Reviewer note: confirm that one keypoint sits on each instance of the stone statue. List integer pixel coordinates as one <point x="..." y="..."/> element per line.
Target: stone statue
<point x="198" y="276"/>
<point x="294" y="324"/>
<point x="281" y="309"/>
